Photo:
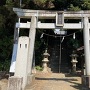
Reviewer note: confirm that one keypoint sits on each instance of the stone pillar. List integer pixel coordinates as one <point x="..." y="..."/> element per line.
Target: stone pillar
<point x="86" y="32"/>
<point x="86" y="45"/>
<point x="32" y="34"/>
<point x="33" y="64"/>
<point x="22" y="59"/>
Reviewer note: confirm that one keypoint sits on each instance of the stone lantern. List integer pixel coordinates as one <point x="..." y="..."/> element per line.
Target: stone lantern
<point x="74" y="61"/>
<point x="45" y="61"/>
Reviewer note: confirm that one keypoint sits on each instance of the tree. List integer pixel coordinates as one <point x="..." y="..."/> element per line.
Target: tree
<point x="85" y="4"/>
<point x="7" y="21"/>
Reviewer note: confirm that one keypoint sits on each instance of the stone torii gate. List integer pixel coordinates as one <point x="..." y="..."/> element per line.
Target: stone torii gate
<point x="22" y="75"/>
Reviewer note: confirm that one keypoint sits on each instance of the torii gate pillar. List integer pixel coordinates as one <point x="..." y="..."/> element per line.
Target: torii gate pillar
<point x="86" y="32"/>
<point x="32" y="34"/>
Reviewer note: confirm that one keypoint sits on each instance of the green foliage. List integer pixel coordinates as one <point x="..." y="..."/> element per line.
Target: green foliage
<point x="39" y="47"/>
<point x="85" y="4"/>
<point x="5" y="55"/>
<point x="74" y="8"/>
<point x="39" y="68"/>
<point x="38" y="4"/>
<point x="61" y="4"/>
<point x="73" y="43"/>
<point x="43" y="3"/>
<point x="4" y="66"/>
<point x="8" y="1"/>
<point x="7" y="21"/>
<point x="2" y="21"/>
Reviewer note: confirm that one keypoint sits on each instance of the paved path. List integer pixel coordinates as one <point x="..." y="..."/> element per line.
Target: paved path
<point x="55" y="81"/>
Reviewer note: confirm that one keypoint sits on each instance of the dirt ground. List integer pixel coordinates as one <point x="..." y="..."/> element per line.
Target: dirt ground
<point x="55" y="81"/>
<point x="3" y="84"/>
